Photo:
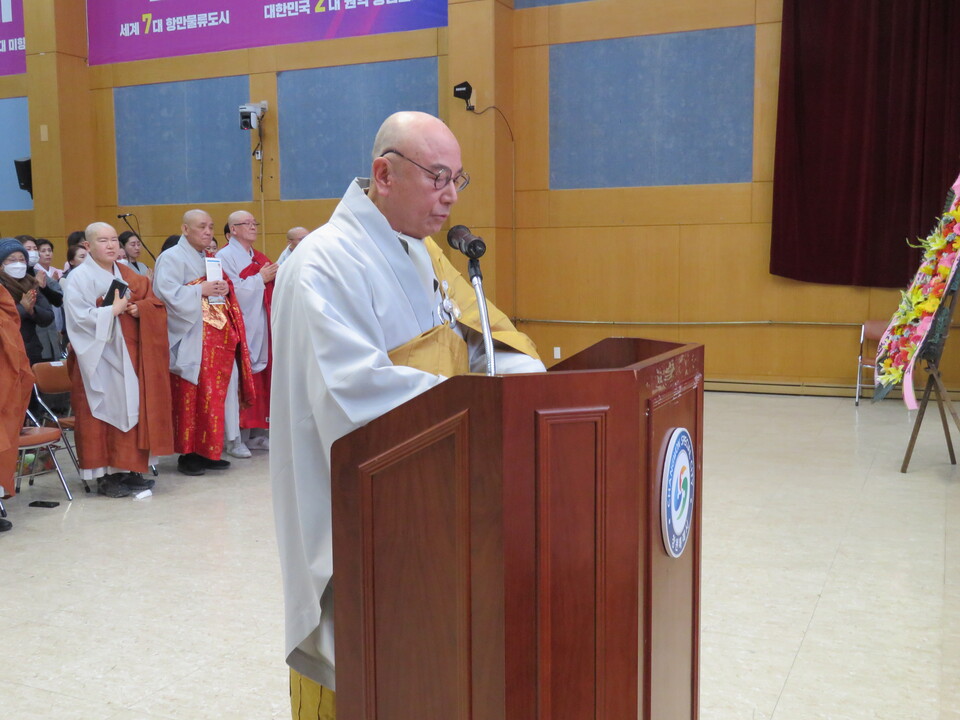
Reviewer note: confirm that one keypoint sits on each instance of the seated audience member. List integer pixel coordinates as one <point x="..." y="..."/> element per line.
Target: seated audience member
<point x="32" y="306"/>
<point x="49" y="286"/>
<point x="45" y="252"/>
<point x="294" y="236"/>
<point x="121" y="387"/>
<point x="16" y="382"/>
<point x="213" y="247"/>
<point x="207" y="343"/>
<point x="133" y="248"/>
<point x="169" y="242"/>
<point x="74" y="239"/>
<point x="76" y="254"/>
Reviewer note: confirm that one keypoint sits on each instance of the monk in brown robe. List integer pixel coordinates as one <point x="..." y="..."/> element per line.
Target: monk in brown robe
<point x="121" y="392"/>
<point x="16" y="382"/>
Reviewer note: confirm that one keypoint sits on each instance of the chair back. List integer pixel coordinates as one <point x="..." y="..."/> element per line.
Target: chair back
<point x="874" y="329"/>
<point x="52" y="377"/>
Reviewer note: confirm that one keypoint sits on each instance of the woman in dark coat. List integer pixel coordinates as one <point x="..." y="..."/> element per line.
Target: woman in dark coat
<point x="34" y="309"/>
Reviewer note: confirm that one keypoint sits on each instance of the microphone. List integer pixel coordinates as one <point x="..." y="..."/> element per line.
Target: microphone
<point x="460" y="238"/>
<point x="121" y="216"/>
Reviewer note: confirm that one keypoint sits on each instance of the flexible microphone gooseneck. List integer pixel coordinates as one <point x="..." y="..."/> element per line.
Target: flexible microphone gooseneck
<point x="473" y="247"/>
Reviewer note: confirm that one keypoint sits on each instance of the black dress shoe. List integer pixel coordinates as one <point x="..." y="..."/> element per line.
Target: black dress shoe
<point x="191" y="464"/>
<point x="111" y="486"/>
<point x="137" y="482"/>
<point x="5" y="525"/>
<point x="214" y="464"/>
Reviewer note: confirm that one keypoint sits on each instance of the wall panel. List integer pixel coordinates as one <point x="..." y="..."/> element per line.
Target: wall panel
<point x="15" y="143"/>
<point x="181" y="142"/>
<point x="327" y="127"/>
<point x="672" y="109"/>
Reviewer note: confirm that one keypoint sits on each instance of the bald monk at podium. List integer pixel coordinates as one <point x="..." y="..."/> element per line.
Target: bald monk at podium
<point x="368" y="313"/>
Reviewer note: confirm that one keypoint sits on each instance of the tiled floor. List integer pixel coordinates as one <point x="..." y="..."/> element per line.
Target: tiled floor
<point x="831" y="582"/>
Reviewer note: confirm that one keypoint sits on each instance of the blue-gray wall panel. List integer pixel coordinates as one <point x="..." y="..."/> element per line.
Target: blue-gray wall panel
<point x="329" y="117"/>
<point x="15" y="121"/>
<point x="674" y="109"/>
<point x="181" y="142"/>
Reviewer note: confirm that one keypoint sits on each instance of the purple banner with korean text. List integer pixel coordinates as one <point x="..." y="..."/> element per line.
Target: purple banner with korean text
<point x="123" y="30"/>
<point x="13" y="49"/>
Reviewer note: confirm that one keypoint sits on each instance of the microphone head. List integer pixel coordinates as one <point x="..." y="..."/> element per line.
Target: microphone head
<point x="456" y="234"/>
<point x="460" y="238"/>
<point x="475" y="248"/>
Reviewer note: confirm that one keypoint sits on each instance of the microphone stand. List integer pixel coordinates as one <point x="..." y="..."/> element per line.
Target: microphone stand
<point x="476" y="279"/>
<point x="137" y="233"/>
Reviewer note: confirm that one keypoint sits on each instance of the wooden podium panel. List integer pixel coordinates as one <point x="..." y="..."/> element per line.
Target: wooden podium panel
<point x="498" y="552"/>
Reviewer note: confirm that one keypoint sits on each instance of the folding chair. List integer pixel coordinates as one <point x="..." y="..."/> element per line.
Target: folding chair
<point x="870" y="334"/>
<point x="53" y="377"/>
<point x="36" y="439"/>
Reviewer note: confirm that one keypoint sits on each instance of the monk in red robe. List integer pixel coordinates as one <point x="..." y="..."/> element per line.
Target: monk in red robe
<point x="207" y="342"/>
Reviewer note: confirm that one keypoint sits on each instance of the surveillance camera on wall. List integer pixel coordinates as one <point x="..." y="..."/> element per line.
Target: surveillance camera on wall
<point x="250" y="114"/>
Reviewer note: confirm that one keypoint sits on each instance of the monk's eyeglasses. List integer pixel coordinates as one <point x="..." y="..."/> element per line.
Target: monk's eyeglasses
<point x="441" y="177"/>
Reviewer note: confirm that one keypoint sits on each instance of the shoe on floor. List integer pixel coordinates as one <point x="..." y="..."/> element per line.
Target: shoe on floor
<point x="191" y="464"/>
<point x="5" y="524"/>
<point x="214" y="464"/>
<point x="112" y="486"/>
<point x="238" y="450"/>
<point x="137" y="482"/>
<point x="260" y="442"/>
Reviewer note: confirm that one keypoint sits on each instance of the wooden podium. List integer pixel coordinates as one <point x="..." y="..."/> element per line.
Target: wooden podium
<point x="498" y="548"/>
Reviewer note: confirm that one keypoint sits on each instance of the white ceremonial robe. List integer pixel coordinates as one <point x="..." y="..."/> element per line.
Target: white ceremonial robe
<point x="177" y="266"/>
<point x="342" y="301"/>
<point x="284" y="255"/>
<point x="249" y="294"/>
<point x="109" y="378"/>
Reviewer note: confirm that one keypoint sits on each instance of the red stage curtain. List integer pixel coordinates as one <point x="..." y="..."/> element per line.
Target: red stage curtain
<point x="868" y="136"/>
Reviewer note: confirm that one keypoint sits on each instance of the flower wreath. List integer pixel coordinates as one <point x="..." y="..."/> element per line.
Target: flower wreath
<point x="912" y="332"/>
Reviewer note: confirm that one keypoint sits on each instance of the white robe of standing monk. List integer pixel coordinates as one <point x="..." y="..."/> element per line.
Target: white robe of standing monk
<point x="109" y="378"/>
<point x="348" y="296"/>
<point x="249" y="294"/>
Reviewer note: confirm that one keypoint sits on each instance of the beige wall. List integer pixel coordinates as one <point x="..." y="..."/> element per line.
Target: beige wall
<point x="684" y="259"/>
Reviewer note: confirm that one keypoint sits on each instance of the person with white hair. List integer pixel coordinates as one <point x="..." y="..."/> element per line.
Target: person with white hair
<point x="367" y="313"/>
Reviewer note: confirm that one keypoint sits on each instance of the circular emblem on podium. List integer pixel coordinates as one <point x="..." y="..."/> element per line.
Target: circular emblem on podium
<point x="677" y="483"/>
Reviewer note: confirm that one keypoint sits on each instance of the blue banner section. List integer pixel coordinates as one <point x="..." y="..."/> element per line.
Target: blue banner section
<point x="330" y="116"/>
<point x="673" y="109"/>
<point x="181" y="142"/>
<point x="15" y="143"/>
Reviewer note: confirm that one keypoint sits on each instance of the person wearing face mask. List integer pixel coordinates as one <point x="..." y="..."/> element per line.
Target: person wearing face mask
<point x="50" y="289"/>
<point x="34" y="309"/>
<point x="16" y="384"/>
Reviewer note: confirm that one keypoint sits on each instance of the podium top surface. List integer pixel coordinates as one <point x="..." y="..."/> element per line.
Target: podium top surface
<point x="621" y="354"/>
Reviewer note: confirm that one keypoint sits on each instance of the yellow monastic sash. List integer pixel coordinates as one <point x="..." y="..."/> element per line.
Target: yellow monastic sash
<point x="310" y="700"/>
<point x="440" y="350"/>
<point x="461" y="292"/>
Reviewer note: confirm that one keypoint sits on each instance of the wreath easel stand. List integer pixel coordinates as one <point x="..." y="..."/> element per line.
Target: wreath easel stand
<point x="931" y="355"/>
